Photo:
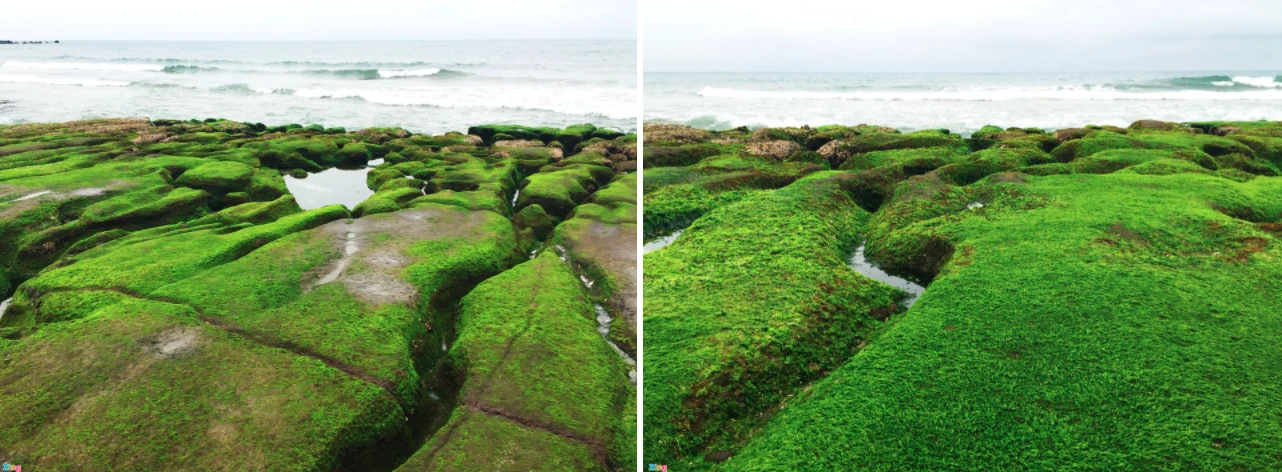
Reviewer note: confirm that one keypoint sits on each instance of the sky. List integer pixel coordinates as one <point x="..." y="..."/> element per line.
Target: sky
<point x="347" y="20"/>
<point x="962" y="36"/>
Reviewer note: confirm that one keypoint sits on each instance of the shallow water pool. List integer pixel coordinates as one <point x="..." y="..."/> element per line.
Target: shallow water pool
<point x="861" y="265"/>
<point x="658" y="243"/>
<point x="327" y="187"/>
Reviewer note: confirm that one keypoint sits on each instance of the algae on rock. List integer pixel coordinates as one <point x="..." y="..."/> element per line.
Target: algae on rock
<point x="174" y="307"/>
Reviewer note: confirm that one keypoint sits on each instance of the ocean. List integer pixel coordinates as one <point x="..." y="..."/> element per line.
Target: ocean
<point x="962" y="103"/>
<point x="422" y="86"/>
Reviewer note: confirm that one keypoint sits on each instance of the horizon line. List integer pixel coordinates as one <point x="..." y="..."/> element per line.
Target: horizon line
<point x="326" y="40"/>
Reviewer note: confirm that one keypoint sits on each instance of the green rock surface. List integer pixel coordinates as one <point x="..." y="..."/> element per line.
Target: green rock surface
<point x="1098" y="298"/>
<point x="175" y="309"/>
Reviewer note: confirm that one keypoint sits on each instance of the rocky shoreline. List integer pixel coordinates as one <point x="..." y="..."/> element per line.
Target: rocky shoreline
<point x="174" y="307"/>
<point x="1096" y="297"/>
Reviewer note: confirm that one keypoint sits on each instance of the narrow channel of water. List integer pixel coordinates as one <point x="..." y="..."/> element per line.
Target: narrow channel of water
<point x="4" y="306"/>
<point x="658" y="243"/>
<point x="603" y="327"/>
<point x="602" y="319"/>
<point x="861" y="265"/>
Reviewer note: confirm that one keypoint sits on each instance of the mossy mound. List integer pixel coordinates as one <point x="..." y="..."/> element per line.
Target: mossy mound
<point x="599" y="240"/>
<point x="540" y="383"/>
<point x="1106" y="299"/>
<point x="777" y="307"/>
<point x="175" y="308"/>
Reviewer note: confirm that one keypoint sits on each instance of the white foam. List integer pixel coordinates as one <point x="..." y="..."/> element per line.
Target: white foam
<point x="84" y="82"/>
<point x="1007" y="94"/>
<point x="1265" y="81"/>
<point x="82" y="66"/>
<point x="608" y="102"/>
<point x="394" y="73"/>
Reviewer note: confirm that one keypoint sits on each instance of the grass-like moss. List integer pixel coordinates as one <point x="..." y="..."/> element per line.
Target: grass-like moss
<point x="173" y="303"/>
<point x="540" y="381"/>
<point x="778" y="307"/>
<point x="1098" y="297"/>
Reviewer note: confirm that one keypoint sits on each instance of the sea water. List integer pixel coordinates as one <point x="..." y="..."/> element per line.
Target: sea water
<point x="423" y="86"/>
<point x="961" y="103"/>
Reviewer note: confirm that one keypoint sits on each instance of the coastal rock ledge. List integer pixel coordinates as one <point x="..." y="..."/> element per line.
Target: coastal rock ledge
<point x="174" y="308"/>
<point x="860" y="298"/>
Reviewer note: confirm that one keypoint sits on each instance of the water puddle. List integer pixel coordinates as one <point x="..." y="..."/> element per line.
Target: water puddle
<point x="861" y="265"/>
<point x="327" y="187"/>
<point x="4" y="306"/>
<point x="348" y="250"/>
<point x="658" y="243"/>
<point x="34" y="195"/>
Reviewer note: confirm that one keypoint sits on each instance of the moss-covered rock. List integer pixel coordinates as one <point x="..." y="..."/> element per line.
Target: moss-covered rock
<point x="770" y="337"/>
<point x="171" y="298"/>
<point x="1077" y="281"/>
<point x="221" y="176"/>
<point x="541" y="383"/>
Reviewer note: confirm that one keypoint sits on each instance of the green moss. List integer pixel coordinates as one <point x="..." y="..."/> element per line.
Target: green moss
<point x="656" y="156"/>
<point x="281" y="295"/>
<point x="145" y="384"/>
<point x="571" y="136"/>
<point x="1064" y="311"/>
<point x="890" y="141"/>
<point x="131" y="263"/>
<point x="387" y="201"/>
<point x="528" y="345"/>
<point x="1040" y="367"/>
<point x="490" y="133"/>
<point x="130" y="240"/>
<point x="559" y="189"/>
<point x="778" y="307"/>
<point x="223" y="176"/>
<point x="478" y="441"/>
<point x="536" y="221"/>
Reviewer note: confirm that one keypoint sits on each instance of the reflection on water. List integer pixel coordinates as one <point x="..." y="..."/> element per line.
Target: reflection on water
<point x="327" y="187"/>
<point x="862" y="266"/>
<point x="660" y="242"/>
<point x="603" y="328"/>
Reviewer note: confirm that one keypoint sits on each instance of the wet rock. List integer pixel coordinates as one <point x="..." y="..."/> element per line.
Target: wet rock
<point x="778" y="150"/>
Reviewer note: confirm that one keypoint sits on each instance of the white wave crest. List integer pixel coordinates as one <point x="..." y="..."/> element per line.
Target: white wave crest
<point x="1265" y="82"/>
<point x="83" y="82"/>
<point x="394" y="73"/>
<point x="1000" y="94"/>
<point x="82" y="66"/>
<point x="615" y="103"/>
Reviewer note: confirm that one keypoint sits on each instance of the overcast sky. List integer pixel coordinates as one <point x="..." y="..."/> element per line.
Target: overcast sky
<point x="316" y="19"/>
<point x="962" y="36"/>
